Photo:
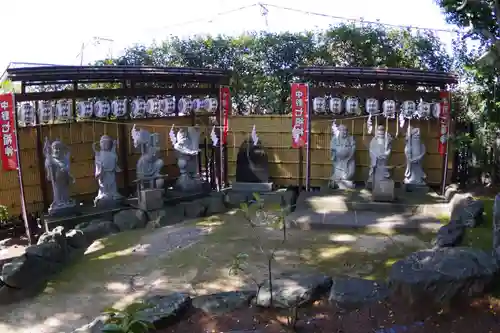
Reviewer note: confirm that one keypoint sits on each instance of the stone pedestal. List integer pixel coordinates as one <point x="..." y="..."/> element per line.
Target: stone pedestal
<point x="151" y="199"/>
<point x="68" y="209"/>
<point x="342" y="184"/>
<point x="416" y="188"/>
<point x="383" y="190"/>
<point x="252" y="187"/>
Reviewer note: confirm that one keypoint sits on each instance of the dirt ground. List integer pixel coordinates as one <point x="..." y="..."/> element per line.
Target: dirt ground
<point x="193" y="257"/>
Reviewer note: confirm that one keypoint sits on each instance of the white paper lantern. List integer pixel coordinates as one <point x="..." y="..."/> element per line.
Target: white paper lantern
<point x="64" y="111"/>
<point x="45" y="112"/>
<point x="389" y="109"/>
<point x="423" y="110"/>
<point x="352" y="106"/>
<point x="153" y="107"/>
<point x="335" y="105"/>
<point x="102" y="109"/>
<point x="26" y="114"/>
<point x="409" y="109"/>
<point x="210" y="104"/>
<point x="167" y="106"/>
<point x="436" y="110"/>
<point x="319" y="105"/>
<point x="119" y="108"/>
<point x="372" y="106"/>
<point x="185" y="106"/>
<point x="138" y="108"/>
<point x="84" y="109"/>
<point x="197" y="105"/>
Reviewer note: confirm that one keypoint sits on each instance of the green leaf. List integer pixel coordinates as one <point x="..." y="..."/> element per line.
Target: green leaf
<point x="112" y="328"/>
<point x="138" y="326"/>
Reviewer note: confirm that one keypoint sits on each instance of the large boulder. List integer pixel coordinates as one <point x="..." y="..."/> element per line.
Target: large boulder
<point x="293" y="290"/>
<point x="96" y="229"/>
<point x="166" y="309"/>
<point x="442" y="275"/>
<point x="466" y="210"/>
<point x="354" y="291"/>
<point x="449" y="235"/>
<point x="25" y="272"/>
<point x="223" y="302"/>
<point x="130" y="219"/>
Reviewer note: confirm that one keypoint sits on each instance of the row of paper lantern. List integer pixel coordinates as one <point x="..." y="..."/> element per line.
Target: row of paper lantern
<point x="62" y="110"/>
<point x="352" y="106"/>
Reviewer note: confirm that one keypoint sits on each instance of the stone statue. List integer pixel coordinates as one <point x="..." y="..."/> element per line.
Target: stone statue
<point x="149" y="164"/>
<point x="57" y="163"/>
<point x="414" y="152"/>
<point x="343" y="148"/>
<point x="106" y="167"/>
<point x="187" y="147"/>
<point x="380" y="151"/>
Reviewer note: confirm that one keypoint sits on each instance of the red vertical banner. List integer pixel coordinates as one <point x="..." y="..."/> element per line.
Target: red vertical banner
<point x="444" y="115"/>
<point x="225" y="103"/>
<point x="8" y="138"/>
<point x="300" y="114"/>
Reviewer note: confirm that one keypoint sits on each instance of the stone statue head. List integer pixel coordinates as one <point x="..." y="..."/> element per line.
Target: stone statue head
<point x="106" y="143"/>
<point x="342" y="131"/>
<point x="57" y="148"/>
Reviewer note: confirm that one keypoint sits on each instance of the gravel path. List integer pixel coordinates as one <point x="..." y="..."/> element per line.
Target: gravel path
<point x="63" y="312"/>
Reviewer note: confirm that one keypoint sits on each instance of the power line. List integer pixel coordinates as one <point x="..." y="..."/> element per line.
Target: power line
<point x="342" y="18"/>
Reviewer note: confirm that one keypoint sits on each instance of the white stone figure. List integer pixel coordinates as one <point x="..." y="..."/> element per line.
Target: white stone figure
<point x="149" y="164"/>
<point x="57" y="165"/>
<point x="187" y="147"/>
<point x="414" y="152"/>
<point x="106" y="167"/>
<point x="343" y="148"/>
<point x="380" y="151"/>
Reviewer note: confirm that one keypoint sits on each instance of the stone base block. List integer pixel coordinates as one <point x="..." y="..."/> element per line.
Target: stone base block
<point x="383" y="190"/>
<point x="252" y="187"/>
<point x="151" y="199"/>
<point x="416" y="188"/>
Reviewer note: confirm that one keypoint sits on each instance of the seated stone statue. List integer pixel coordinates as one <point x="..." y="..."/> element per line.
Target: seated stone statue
<point x="187" y="147"/>
<point x="380" y="151"/>
<point x="414" y="152"/>
<point x="343" y="148"/>
<point x="149" y="164"/>
<point x="57" y="166"/>
<point x="106" y="167"/>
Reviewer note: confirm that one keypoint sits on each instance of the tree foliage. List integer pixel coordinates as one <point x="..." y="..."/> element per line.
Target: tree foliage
<point x="261" y="62"/>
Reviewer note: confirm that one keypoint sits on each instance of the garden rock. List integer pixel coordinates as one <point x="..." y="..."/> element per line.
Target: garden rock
<point x="215" y="204"/>
<point x="466" y="210"/>
<point x="223" y="302"/>
<point x="56" y="235"/>
<point x="95" y="326"/>
<point x="166" y="309"/>
<point x="293" y="290"/>
<point x="441" y="275"/>
<point x="194" y="209"/>
<point x="353" y="291"/>
<point x="450" y="234"/>
<point x="130" y="219"/>
<point x="76" y="239"/>
<point x="96" y="229"/>
<point x="23" y="272"/>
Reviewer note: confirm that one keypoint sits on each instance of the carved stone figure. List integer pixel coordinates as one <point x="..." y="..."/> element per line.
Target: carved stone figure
<point x="57" y="164"/>
<point x="414" y="152"/>
<point x="380" y="151"/>
<point x="187" y="147"/>
<point x="106" y="167"/>
<point x="149" y="164"/>
<point x="343" y="148"/>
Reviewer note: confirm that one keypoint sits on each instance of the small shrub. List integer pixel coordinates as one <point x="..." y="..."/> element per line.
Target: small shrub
<point x="4" y="214"/>
<point x="129" y="320"/>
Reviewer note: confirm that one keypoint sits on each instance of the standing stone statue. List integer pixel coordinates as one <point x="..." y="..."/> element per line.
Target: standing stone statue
<point x="343" y="148"/>
<point x="149" y="164"/>
<point x="187" y="147"/>
<point x="380" y="151"/>
<point x="57" y="164"/>
<point x="106" y="167"/>
<point x="414" y="152"/>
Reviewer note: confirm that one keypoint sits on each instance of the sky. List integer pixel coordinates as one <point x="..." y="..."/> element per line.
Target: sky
<point x="53" y="31"/>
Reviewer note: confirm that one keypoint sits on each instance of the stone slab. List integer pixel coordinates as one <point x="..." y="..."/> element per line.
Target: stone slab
<point x="83" y="214"/>
<point x="252" y="187"/>
<point x="151" y="199"/>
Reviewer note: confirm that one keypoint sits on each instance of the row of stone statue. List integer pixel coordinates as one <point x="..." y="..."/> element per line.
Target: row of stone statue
<point x="343" y="148"/>
<point x="149" y="165"/>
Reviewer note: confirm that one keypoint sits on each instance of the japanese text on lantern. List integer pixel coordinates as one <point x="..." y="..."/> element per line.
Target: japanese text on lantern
<point x="225" y="102"/>
<point x="443" y="122"/>
<point x="300" y="114"/>
<point x="8" y="138"/>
